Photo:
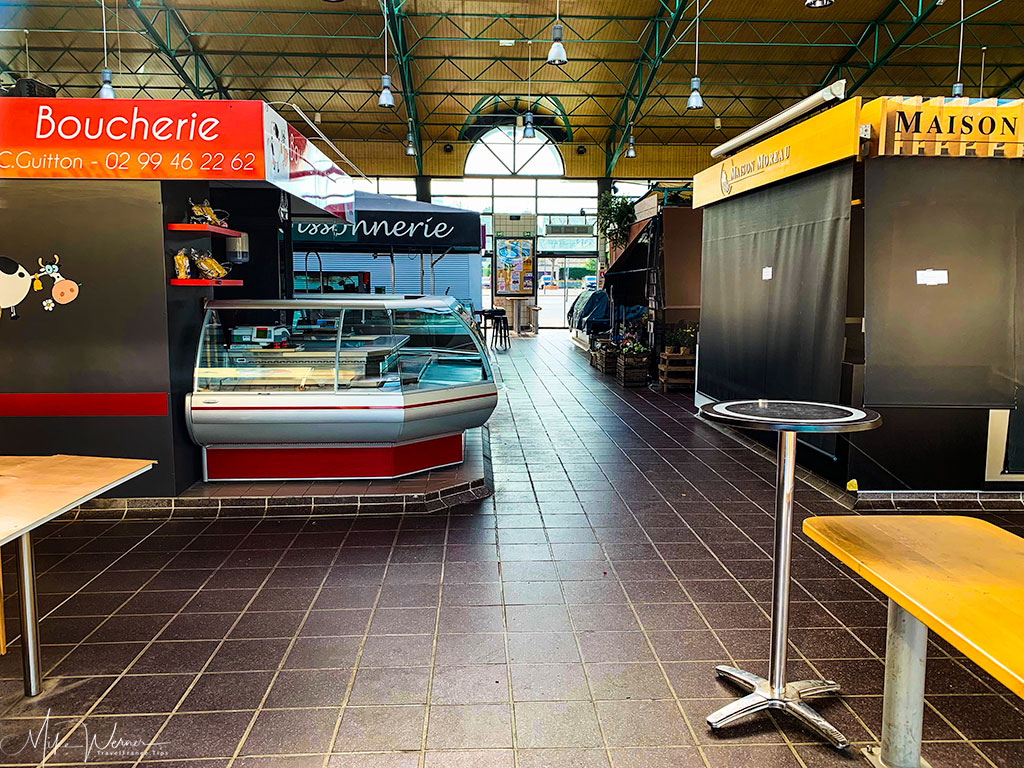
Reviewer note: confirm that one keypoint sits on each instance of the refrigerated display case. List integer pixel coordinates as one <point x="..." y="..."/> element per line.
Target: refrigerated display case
<point x="354" y="387"/>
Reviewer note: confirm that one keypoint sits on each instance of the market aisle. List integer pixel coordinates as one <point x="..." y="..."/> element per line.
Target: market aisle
<point x="573" y="620"/>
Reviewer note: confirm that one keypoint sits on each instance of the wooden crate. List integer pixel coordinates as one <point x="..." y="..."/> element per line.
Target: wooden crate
<point x="676" y="370"/>
<point x="631" y="370"/>
<point x="604" y="359"/>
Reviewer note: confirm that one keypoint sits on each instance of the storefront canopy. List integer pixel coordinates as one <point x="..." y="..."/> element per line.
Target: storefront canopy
<point x="388" y="223"/>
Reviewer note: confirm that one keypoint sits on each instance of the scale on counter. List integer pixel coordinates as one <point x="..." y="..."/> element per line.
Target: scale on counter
<point x="255" y="336"/>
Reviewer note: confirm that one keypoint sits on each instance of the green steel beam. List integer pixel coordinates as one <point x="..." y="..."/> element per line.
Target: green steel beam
<point x="1014" y="83"/>
<point x="655" y="50"/>
<point x="512" y="101"/>
<point x="395" y="20"/>
<point x="174" y="25"/>
<point x="877" y="57"/>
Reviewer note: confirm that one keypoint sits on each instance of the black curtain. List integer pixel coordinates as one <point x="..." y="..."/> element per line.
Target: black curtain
<point x="780" y="337"/>
<point x="951" y="344"/>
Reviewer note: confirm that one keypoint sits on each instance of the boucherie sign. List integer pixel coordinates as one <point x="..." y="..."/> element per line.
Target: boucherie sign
<point x="166" y="140"/>
<point x="109" y="138"/>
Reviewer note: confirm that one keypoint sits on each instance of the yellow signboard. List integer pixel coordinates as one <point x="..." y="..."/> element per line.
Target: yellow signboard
<point x="823" y="139"/>
<point x="943" y="127"/>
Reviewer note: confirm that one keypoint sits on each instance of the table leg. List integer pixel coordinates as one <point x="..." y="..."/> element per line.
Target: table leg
<point x="906" y="648"/>
<point x="29" y="616"/>
<point x="775" y="692"/>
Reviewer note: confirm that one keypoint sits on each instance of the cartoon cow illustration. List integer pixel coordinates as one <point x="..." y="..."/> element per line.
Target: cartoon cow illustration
<point x="64" y="291"/>
<point x="15" y="283"/>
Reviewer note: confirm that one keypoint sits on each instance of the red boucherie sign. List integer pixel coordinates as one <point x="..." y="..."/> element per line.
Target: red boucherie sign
<point x="166" y="140"/>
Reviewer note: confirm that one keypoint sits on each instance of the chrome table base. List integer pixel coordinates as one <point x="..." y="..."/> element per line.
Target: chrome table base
<point x="790" y="699"/>
<point x="775" y="693"/>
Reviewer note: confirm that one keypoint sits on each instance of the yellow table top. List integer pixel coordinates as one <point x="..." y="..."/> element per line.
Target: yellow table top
<point x="962" y="577"/>
<point x="36" y="489"/>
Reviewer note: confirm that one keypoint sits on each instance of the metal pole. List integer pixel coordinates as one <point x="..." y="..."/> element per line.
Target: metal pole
<point x="903" y="707"/>
<point x="784" y="483"/>
<point x="29" y="616"/>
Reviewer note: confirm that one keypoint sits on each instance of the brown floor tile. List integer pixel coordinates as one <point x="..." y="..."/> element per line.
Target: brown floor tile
<point x="291" y="731"/>
<point x="379" y="760"/>
<point x="476" y="684"/>
<point x="563" y="758"/>
<point x="614" y="646"/>
<point x="308" y="688"/>
<point x="203" y="735"/>
<point x="474" y="726"/>
<point x="627" y="681"/>
<point x="390" y="686"/>
<point x="471" y="758"/>
<point x="367" y="729"/>
<point x="549" y="682"/>
<point x="144" y="694"/>
<point x="643" y="724"/>
<point x="542" y="647"/>
<point x="763" y="756"/>
<point x="556" y="724"/>
<point x="658" y="757"/>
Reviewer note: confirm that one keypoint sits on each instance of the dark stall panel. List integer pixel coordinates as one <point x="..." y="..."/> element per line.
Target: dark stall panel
<point x="950" y="344"/>
<point x="89" y="376"/>
<point x="776" y="333"/>
<point x="922" y="449"/>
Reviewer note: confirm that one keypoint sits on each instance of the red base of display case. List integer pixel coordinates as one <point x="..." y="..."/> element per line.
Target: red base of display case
<point x="320" y="462"/>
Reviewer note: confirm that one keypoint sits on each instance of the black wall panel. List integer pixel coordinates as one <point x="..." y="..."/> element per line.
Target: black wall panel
<point x="922" y="449"/>
<point x="782" y="337"/>
<point x="114" y="338"/>
<point x="942" y="345"/>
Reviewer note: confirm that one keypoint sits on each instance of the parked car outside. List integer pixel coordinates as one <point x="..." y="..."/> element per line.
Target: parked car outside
<point x="590" y="282"/>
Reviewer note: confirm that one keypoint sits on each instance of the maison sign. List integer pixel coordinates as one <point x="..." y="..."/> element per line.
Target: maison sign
<point x="950" y="127"/>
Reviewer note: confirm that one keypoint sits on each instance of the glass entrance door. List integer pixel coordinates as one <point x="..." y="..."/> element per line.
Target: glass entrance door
<point x="560" y="280"/>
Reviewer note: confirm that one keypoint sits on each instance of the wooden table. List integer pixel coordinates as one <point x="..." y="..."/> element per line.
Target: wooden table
<point x="960" y="577"/>
<point x="33" y="491"/>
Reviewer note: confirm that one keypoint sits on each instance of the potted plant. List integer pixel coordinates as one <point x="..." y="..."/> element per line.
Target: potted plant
<point x="688" y="338"/>
<point x="615" y="215"/>
<point x="634" y="355"/>
<point x="673" y="340"/>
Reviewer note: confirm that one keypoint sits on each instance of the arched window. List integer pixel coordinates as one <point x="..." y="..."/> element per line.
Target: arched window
<point x="504" y="151"/>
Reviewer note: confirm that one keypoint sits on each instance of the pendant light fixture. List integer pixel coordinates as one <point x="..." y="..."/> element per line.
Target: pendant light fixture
<point x="410" y="144"/>
<point x="818" y="3"/>
<point x="631" y="145"/>
<point x="556" y="55"/>
<point x="695" y="101"/>
<point x="106" y="76"/>
<point x="387" y="99"/>
<point x="958" y="86"/>
<point x="528" y="132"/>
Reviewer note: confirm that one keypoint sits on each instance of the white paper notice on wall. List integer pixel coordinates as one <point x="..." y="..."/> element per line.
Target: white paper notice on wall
<point x="933" y="277"/>
<point x="766" y="273"/>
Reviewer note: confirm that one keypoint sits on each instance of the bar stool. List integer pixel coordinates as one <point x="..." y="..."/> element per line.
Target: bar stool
<point x="500" y="337"/>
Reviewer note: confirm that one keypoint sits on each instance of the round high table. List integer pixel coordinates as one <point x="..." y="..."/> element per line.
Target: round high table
<point x="786" y="417"/>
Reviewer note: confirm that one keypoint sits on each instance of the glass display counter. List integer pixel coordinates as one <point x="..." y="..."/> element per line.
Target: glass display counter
<point x="362" y="386"/>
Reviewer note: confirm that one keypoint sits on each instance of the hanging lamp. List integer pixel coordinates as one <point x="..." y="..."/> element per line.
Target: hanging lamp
<point x="410" y="144"/>
<point x="631" y="145"/>
<point x="695" y="101"/>
<point x="386" y="99"/>
<point x="818" y="3"/>
<point x="556" y="55"/>
<point x="528" y="132"/>
<point x="106" y="76"/>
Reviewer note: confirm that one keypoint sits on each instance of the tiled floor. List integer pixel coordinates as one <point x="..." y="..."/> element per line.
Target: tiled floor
<point x="571" y="622"/>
